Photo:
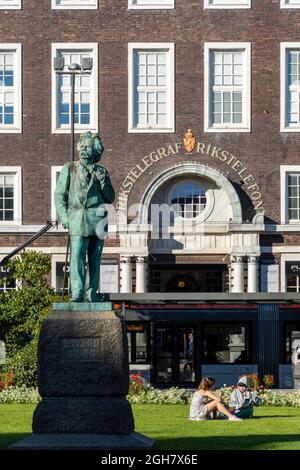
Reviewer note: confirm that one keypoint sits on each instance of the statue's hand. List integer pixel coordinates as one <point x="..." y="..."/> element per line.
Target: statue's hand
<point x="99" y="172"/>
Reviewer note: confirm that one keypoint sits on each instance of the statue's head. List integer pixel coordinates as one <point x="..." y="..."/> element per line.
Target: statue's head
<point x="90" y="147"/>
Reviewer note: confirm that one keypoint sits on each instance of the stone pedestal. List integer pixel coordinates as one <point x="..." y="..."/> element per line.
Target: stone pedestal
<point x="83" y="378"/>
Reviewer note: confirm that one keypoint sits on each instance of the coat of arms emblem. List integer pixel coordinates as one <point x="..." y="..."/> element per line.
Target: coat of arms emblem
<point x="189" y="141"/>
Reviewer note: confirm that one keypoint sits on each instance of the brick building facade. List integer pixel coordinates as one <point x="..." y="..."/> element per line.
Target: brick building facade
<point x="227" y="70"/>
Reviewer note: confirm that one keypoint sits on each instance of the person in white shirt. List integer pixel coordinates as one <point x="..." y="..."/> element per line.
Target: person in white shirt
<point x="205" y="402"/>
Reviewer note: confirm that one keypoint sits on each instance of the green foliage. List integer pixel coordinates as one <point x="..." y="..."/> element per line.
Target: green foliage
<point x="31" y="268"/>
<point x="22" y="312"/>
<point x="155" y="396"/>
<point x="23" y="364"/>
<point x="172" y="396"/>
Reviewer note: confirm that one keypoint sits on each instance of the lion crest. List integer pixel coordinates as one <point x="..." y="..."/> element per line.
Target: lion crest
<point x="189" y="141"/>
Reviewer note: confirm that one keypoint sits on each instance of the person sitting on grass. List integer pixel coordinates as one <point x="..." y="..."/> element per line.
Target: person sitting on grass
<point x="205" y="402"/>
<point x="242" y="399"/>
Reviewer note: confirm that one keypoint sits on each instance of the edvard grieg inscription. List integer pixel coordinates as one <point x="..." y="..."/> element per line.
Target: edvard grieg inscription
<point x="82" y="350"/>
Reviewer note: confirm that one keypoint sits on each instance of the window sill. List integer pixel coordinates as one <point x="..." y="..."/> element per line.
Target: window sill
<point x="152" y="130"/>
<point x="76" y="131"/>
<point x="290" y="129"/>
<point x="227" y="129"/>
<point x="289" y="7"/>
<point x="151" y="7"/>
<point x="227" y="7"/>
<point x="10" y="7"/>
<point x="75" y="8"/>
<point x="93" y="5"/>
<point x="11" y="130"/>
<point x="6" y="224"/>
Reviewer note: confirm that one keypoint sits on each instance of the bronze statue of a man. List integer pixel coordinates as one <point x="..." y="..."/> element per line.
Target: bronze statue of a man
<point x="82" y="189"/>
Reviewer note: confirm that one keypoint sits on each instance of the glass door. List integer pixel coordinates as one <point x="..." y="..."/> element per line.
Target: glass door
<point x="175" y="355"/>
<point x="186" y="351"/>
<point x="164" y="348"/>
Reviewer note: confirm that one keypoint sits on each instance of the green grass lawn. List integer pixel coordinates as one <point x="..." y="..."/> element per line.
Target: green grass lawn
<point x="272" y="428"/>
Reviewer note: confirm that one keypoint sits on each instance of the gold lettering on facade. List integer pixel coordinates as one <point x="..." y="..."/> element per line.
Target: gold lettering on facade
<point x="200" y="148"/>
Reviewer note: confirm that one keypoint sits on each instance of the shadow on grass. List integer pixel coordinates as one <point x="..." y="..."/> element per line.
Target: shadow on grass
<point x="249" y="442"/>
<point x="268" y="416"/>
<point x="8" y="439"/>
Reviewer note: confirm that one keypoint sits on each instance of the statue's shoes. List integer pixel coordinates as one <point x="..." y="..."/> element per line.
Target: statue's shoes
<point x="93" y="296"/>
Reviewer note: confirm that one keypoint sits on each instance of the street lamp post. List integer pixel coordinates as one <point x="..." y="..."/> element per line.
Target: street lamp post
<point x="73" y="69"/>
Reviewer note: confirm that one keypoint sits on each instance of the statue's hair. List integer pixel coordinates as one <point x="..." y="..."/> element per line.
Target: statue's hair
<point x="98" y="146"/>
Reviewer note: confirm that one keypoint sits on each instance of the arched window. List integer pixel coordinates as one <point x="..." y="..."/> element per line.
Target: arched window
<point x="188" y="199"/>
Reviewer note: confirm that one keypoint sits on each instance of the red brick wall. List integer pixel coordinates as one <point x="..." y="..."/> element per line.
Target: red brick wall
<point x="36" y="26"/>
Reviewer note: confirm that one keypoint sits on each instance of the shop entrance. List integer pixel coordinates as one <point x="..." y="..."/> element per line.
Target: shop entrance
<point x="175" y="354"/>
<point x="184" y="351"/>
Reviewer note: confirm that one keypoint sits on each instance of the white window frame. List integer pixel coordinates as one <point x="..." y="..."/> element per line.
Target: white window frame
<point x="16" y="171"/>
<point x="152" y="5"/>
<point x="284" y="258"/>
<point x="244" y="47"/>
<point x="75" y="5"/>
<point x="284" y="4"/>
<point x="54" y="171"/>
<point x="230" y="4"/>
<point x="285" y="47"/>
<point x="16" y="128"/>
<point x="132" y="47"/>
<point x="210" y="201"/>
<point x="54" y="260"/>
<point x="14" y="5"/>
<point x="285" y="171"/>
<point x="93" y="126"/>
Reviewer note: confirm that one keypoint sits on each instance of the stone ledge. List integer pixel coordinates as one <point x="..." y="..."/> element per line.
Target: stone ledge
<point x="82" y="306"/>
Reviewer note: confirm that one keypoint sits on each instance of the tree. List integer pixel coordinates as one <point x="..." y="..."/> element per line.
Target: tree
<point x="23" y="310"/>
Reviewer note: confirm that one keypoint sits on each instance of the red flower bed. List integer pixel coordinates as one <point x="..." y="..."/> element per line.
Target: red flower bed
<point x="6" y="380"/>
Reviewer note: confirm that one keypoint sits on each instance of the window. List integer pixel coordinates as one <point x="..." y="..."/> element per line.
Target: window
<point x="216" y="280"/>
<point x="292" y="272"/>
<point x="290" y="328"/>
<point x="290" y="3"/>
<point x="55" y="171"/>
<point x="75" y="4"/>
<point x="227" y="343"/>
<point x="6" y="280"/>
<point x="227" y="87"/>
<point x="293" y="283"/>
<point x="188" y="199"/>
<point x="294" y="196"/>
<point x="151" y="88"/>
<point x="138" y="347"/>
<point x="164" y="345"/>
<point x="10" y="4"/>
<point x="59" y="278"/>
<point x="290" y="87"/>
<point x="10" y="88"/>
<point x="86" y="90"/>
<point x="186" y="354"/>
<point x="10" y="196"/>
<point x="227" y="4"/>
<point x="150" y="4"/>
<point x="290" y="194"/>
